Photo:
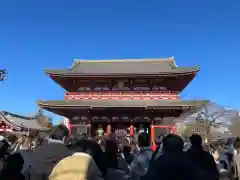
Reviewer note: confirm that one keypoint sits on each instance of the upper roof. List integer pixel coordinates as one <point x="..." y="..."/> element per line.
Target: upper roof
<point x="154" y="66"/>
<point x="21" y="122"/>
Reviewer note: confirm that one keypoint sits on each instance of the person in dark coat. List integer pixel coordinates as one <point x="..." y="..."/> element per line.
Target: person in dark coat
<point x="202" y="159"/>
<point x="49" y="153"/>
<point x="173" y="163"/>
<point x="3" y="151"/>
<point x="14" y="165"/>
<point x="127" y="154"/>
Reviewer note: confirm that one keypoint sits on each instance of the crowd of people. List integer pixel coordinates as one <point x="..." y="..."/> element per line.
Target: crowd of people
<point x="55" y="156"/>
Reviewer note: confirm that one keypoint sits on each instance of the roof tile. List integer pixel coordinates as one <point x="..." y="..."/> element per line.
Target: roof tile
<point x="124" y="66"/>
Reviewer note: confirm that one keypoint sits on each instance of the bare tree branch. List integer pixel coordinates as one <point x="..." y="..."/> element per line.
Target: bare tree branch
<point x="235" y="126"/>
<point x="43" y="120"/>
<point x="214" y="118"/>
<point x="3" y="74"/>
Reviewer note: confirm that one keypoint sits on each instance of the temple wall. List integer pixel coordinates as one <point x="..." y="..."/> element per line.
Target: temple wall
<point x="124" y="95"/>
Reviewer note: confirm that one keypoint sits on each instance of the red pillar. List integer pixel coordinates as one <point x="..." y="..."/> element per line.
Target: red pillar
<point x="174" y="130"/>
<point x="153" y="136"/>
<point x="108" y="129"/>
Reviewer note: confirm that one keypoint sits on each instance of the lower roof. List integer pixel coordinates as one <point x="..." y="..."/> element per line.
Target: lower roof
<point x="147" y="104"/>
<point x="21" y="122"/>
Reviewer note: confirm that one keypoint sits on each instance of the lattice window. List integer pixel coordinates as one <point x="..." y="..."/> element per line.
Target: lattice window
<point x="122" y="95"/>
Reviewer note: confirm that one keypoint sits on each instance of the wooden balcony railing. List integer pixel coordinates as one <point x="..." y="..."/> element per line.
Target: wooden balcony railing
<point x="122" y="95"/>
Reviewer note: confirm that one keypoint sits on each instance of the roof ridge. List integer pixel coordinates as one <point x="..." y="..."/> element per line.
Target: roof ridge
<point x="170" y="59"/>
<point x="16" y="115"/>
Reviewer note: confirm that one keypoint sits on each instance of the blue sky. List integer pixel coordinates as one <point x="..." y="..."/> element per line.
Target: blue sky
<point x="35" y="35"/>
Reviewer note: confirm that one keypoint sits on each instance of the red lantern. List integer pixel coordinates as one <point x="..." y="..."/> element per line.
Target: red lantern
<point x="174" y="130"/>
<point x="108" y="129"/>
<point x="154" y="147"/>
<point x="131" y="130"/>
<point x="69" y="129"/>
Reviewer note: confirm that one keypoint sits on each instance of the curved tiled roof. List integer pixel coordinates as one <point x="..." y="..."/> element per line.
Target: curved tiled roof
<point x="121" y="103"/>
<point x="21" y="122"/>
<point x="150" y="66"/>
<point x="69" y="107"/>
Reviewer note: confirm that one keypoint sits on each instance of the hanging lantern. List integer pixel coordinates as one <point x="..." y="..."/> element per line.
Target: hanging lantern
<point x="69" y="129"/>
<point x="100" y="131"/>
<point x="173" y="130"/>
<point x="131" y="130"/>
<point x="108" y="129"/>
